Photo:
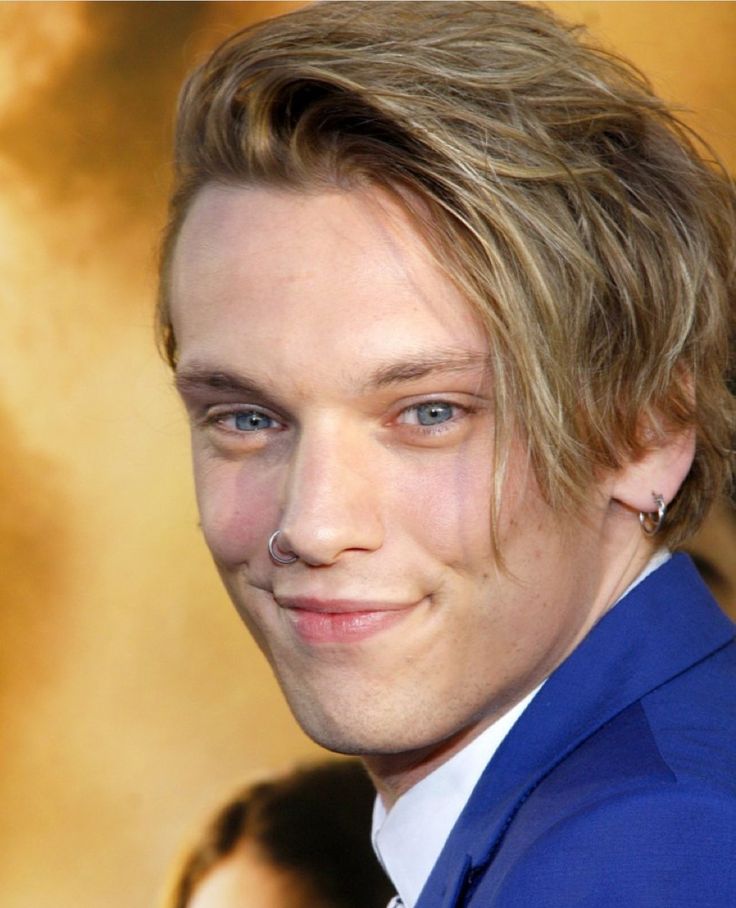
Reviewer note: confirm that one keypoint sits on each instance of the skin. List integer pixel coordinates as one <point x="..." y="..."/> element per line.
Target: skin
<point x="245" y="879"/>
<point x="337" y="389"/>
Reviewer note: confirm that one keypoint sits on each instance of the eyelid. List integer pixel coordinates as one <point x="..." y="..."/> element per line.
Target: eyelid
<point x="463" y="400"/>
<point x="437" y="401"/>
<point x="463" y="412"/>
<point x="216" y="414"/>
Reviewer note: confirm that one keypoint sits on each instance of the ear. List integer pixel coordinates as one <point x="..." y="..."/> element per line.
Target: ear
<point x="661" y="470"/>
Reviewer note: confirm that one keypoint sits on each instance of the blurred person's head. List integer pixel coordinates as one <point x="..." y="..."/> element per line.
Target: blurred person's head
<point x="295" y="841"/>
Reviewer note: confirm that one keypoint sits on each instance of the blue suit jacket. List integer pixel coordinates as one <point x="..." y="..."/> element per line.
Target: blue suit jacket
<point x="617" y="786"/>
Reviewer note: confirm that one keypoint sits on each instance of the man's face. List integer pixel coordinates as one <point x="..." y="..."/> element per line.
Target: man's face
<point x="338" y="389"/>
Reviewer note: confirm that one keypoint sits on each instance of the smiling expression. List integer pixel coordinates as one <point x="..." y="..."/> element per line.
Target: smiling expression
<point x="338" y="389"/>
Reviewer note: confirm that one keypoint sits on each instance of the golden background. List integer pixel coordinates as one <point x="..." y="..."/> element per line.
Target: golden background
<point x="132" y="699"/>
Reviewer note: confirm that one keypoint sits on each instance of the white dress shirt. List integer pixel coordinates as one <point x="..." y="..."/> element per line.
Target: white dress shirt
<point x="409" y="837"/>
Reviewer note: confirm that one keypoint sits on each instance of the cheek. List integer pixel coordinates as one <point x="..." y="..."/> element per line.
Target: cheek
<point x="446" y="501"/>
<point x="237" y="510"/>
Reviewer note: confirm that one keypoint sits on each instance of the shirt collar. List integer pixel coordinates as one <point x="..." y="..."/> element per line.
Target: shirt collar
<point x="657" y="560"/>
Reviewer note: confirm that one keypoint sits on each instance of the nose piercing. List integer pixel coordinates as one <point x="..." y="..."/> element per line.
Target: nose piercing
<point x="278" y="555"/>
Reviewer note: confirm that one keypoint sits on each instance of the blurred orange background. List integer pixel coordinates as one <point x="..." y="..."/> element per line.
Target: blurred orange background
<point x="132" y="699"/>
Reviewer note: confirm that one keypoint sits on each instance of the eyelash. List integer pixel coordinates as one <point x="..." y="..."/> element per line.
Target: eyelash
<point x="458" y="411"/>
<point x="218" y="419"/>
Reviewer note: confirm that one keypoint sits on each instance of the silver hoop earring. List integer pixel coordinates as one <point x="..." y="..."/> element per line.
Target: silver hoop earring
<point x="651" y="521"/>
<point x="278" y="555"/>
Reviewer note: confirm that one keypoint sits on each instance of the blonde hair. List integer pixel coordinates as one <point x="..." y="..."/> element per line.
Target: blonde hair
<point x="564" y="199"/>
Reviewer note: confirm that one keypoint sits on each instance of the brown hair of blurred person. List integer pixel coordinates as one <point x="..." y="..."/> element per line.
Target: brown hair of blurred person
<point x="713" y="549"/>
<point x="296" y="841"/>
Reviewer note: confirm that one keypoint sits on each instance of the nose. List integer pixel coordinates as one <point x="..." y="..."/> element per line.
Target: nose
<point x="331" y="502"/>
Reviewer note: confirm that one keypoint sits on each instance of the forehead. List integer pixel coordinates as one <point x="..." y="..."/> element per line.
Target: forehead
<point x="299" y="278"/>
<point x="246" y="879"/>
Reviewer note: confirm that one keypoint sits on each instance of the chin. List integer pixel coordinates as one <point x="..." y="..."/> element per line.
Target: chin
<point x="349" y="736"/>
<point x="358" y="729"/>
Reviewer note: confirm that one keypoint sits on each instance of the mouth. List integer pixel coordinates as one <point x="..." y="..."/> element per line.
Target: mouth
<point x="342" y="620"/>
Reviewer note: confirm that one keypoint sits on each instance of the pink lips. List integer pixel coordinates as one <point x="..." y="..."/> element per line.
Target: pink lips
<point x="341" y="620"/>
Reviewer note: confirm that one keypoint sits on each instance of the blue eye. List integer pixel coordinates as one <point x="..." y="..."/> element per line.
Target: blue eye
<point x="433" y="413"/>
<point x="252" y="421"/>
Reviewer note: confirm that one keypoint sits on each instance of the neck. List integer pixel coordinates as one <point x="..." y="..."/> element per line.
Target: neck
<point x="395" y="774"/>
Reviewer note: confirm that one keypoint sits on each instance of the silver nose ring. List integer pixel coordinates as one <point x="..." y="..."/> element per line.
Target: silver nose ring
<point x="278" y="555"/>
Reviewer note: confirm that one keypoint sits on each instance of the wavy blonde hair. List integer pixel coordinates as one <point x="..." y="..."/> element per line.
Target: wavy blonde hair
<point x="575" y="212"/>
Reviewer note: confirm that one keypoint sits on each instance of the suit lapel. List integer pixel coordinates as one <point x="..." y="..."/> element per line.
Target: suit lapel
<point x="664" y="625"/>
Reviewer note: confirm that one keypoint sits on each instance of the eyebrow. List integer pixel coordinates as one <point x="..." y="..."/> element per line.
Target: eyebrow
<point x="198" y="377"/>
<point x="419" y="366"/>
